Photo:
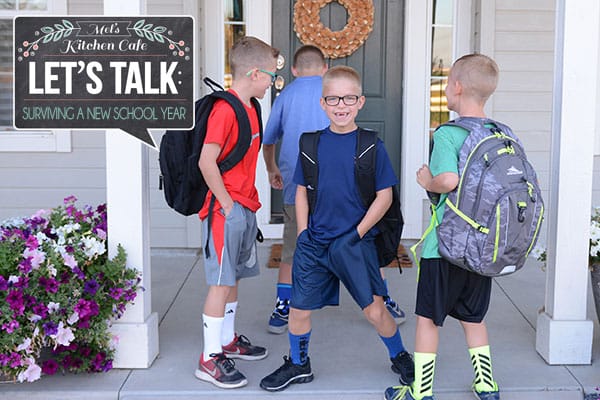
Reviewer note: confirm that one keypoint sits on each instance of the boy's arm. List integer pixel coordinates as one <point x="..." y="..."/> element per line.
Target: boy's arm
<point x="378" y="208"/>
<point x="208" y="166"/>
<point x="301" y="208"/>
<point x="442" y="183"/>
<point x="275" y="178"/>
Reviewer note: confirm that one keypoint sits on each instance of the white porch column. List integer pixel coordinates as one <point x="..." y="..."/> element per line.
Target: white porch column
<point x="129" y="225"/>
<point x="564" y="335"/>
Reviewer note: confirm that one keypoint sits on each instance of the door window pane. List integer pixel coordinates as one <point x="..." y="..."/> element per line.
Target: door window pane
<point x="8" y="5"/>
<point x="235" y="28"/>
<point x="441" y="60"/>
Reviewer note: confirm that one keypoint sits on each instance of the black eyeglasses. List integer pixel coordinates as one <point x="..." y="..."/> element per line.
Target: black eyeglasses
<point x="349" y="100"/>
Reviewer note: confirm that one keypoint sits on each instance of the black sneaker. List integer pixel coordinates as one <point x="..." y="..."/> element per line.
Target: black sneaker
<point x="287" y="374"/>
<point x="220" y="371"/>
<point x="404" y="366"/>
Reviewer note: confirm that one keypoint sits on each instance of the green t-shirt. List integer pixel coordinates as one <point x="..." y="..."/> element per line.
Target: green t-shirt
<point x="447" y="141"/>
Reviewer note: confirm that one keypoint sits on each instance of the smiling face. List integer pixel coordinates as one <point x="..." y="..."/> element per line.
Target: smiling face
<point x="342" y="116"/>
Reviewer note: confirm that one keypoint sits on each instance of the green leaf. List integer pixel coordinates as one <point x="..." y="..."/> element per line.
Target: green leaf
<point x="159" y="38"/>
<point x="68" y="24"/>
<point x="149" y="36"/>
<point x="139" y="24"/>
<point x="57" y="36"/>
<point x="47" y="38"/>
<point x="68" y="32"/>
<point x="159" y="29"/>
<point x="59" y="27"/>
<point x="47" y="29"/>
<point x="139" y="33"/>
<point x="148" y="27"/>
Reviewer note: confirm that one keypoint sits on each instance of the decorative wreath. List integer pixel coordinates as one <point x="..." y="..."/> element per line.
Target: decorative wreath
<point x="310" y="30"/>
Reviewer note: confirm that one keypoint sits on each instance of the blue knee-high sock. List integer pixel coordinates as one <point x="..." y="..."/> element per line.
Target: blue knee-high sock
<point x="393" y="344"/>
<point x="299" y="347"/>
<point x="284" y="291"/>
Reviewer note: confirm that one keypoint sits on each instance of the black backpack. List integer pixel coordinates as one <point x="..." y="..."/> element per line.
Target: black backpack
<point x="391" y="224"/>
<point x="180" y="177"/>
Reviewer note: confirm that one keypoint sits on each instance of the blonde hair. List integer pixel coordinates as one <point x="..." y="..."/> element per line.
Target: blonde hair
<point x="478" y="75"/>
<point x="308" y="57"/>
<point x="249" y="52"/>
<point x="342" y="72"/>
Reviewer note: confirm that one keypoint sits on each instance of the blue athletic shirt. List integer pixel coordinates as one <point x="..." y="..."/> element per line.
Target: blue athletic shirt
<point x="295" y="110"/>
<point x="339" y="207"/>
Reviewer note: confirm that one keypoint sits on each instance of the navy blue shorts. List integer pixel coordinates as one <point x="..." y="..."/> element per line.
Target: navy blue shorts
<point x="446" y="289"/>
<point x="318" y="269"/>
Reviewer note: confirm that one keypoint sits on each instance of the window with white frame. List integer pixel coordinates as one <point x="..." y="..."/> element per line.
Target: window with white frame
<point x="25" y="141"/>
<point x="442" y="38"/>
<point x="235" y="28"/>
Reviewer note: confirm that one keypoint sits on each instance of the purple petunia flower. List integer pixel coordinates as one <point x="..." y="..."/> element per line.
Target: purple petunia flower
<point x="91" y="287"/>
<point x="50" y="284"/>
<point x="86" y="308"/>
<point x="41" y="310"/>
<point x="11" y="326"/>
<point x="49" y="367"/>
<point x="25" y="265"/>
<point x="3" y="283"/>
<point x="15" y="300"/>
<point x="50" y="328"/>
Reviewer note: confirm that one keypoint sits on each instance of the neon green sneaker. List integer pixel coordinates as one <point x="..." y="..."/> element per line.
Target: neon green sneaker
<point x="401" y="393"/>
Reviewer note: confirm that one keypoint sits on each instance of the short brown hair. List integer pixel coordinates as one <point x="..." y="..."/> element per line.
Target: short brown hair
<point x="249" y="52"/>
<point x="308" y="57"/>
<point x="342" y="72"/>
<point x="478" y="75"/>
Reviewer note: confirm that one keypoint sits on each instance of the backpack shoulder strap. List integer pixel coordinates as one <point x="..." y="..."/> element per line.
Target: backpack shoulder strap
<point x="308" y="145"/>
<point x="365" y="164"/>
<point x="256" y="105"/>
<point x="244" y="133"/>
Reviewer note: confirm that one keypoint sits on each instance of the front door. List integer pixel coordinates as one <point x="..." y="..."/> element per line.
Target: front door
<point x="379" y="62"/>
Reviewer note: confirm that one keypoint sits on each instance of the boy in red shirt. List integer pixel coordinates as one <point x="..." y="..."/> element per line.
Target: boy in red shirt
<point x="233" y="228"/>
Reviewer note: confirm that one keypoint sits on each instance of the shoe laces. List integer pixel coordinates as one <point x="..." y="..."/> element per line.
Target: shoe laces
<point x="282" y="305"/>
<point x="389" y="301"/>
<point x="243" y="340"/>
<point x="400" y="392"/>
<point x="226" y="363"/>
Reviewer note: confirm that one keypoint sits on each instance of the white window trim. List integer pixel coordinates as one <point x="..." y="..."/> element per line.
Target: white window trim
<point x="58" y="140"/>
<point x="415" y="124"/>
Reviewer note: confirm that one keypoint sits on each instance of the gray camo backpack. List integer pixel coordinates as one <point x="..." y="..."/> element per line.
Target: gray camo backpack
<point x="492" y="219"/>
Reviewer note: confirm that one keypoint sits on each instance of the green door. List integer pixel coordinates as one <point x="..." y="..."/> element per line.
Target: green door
<point x="379" y="62"/>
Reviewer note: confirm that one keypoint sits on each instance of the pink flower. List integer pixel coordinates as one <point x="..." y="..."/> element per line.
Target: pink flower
<point x="64" y="336"/>
<point x="37" y="257"/>
<point x="32" y="373"/>
<point x="69" y="260"/>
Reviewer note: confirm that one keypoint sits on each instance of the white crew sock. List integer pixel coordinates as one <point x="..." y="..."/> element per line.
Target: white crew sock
<point x="212" y="335"/>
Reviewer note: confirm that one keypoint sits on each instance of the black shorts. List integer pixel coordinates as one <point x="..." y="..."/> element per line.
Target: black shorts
<point x="446" y="289"/>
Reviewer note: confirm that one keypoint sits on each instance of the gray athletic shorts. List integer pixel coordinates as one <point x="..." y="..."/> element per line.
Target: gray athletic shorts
<point x="232" y="246"/>
<point x="290" y="233"/>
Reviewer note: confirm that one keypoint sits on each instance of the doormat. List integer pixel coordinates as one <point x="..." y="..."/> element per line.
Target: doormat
<point x="275" y="257"/>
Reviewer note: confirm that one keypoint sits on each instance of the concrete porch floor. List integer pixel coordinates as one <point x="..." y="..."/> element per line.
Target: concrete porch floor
<point x="348" y="359"/>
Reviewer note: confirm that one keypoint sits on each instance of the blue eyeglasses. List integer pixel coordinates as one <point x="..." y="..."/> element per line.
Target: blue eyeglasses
<point x="272" y="74"/>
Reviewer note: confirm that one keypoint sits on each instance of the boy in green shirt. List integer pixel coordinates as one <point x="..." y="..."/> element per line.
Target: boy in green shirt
<point x="443" y="288"/>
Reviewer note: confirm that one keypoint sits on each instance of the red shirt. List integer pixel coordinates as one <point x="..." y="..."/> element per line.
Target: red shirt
<point x="222" y="129"/>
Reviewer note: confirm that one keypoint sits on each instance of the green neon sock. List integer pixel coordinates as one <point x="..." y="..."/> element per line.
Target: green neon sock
<point x="482" y="366"/>
<point x="424" y="370"/>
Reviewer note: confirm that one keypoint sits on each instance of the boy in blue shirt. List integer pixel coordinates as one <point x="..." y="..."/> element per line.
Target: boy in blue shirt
<point x="336" y="240"/>
<point x="445" y="289"/>
<point x="296" y="110"/>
